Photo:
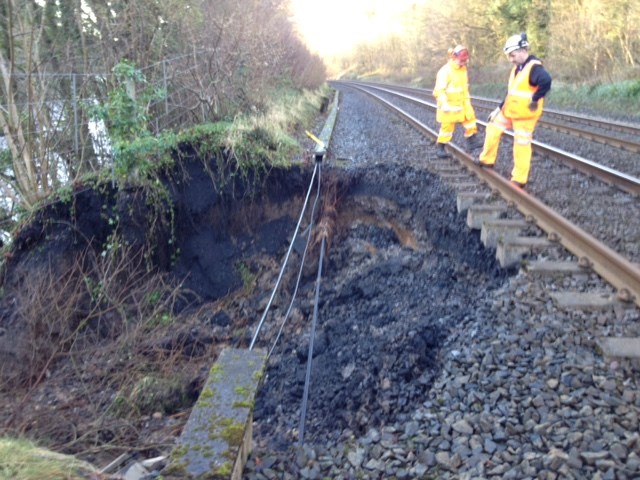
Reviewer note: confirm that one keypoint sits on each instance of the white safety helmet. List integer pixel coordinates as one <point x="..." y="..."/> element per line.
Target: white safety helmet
<point x="516" y="42"/>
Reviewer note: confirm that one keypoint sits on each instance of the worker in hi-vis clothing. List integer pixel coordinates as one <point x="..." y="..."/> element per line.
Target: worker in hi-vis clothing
<point x="529" y="82"/>
<point x="454" y="103"/>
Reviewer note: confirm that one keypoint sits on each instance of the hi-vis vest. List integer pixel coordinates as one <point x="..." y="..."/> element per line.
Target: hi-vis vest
<point x="452" y="83"/>
<point x="520" y="94"/>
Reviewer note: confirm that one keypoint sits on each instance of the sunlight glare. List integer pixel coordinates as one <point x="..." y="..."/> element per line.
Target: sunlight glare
<point x="334" y="27"/>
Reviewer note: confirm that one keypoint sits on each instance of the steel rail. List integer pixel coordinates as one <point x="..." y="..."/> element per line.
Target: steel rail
<point x="578" y="131"/>
<point x="591" y="121"/>
<point x="623" y="143"/>
<point x="610" y="176"/>
<point x="619" y="272"/>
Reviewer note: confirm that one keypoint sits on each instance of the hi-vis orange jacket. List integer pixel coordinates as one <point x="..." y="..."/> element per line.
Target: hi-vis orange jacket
<point x="520" y="94"/>
<point x="452" y="93"/>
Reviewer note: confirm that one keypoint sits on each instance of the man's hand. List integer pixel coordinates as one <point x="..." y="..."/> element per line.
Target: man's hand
<point x="533" y="106"/>
<point x="493" y="115"/>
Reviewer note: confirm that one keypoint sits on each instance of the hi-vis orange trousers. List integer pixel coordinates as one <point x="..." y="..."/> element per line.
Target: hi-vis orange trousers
<point x="522" y="138"/>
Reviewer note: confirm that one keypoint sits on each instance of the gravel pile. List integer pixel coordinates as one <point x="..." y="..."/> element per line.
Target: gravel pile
<point x="430" y="361"/>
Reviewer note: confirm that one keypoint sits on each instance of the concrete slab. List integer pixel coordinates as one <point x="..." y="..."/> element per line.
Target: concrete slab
<point x="449" y="169"/>
<point x="216" y="440"/>
<point x="467" y="187"/>
<point x="584" y="300"/>
<point x="511" y="251"/>
<point x="628" y="347"/>
<point x="466" y="199"/>
<point x="478" y="214"/>
<point x="500" y="228"/>
<point x="455" y="177"/>
<point x="443" y="164"/>
<point x="548" y="267"/>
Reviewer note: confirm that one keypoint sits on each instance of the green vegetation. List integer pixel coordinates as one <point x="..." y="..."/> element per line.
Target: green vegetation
<point x="249" y="142"/>
<point x="176" y="70"/>
<point x="248" y="277"/>
<point x="615" y="99"/>
<point x="620" y="99"/>
<point x="149" y="394"/>
<point x="225" y="470"/>
<point x="126" y="116"/>
<point x="237" y="107"/>
<point x="23" y="460"/>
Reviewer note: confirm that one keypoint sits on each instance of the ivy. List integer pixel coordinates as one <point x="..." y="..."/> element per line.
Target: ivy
<point x="125" y="113"/>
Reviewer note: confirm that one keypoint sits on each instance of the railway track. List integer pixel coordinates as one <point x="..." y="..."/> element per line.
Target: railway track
<point x="614" y="134"/>
<point x="621" y="169"/>
<point x="522" y="390"/>
<point x="491" y="205"/>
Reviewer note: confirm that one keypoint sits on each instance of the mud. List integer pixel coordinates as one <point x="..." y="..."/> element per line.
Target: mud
<point x="401" y="271"/>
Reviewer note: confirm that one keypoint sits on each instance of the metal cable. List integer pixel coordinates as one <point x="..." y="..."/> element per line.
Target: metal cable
<point x="307" y="380"/>
<point x="284" y="264"/>
<point x="304" y="255"/>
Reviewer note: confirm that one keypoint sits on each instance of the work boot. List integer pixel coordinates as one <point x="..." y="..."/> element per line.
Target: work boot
<point x="482" y="164"/>
<point x="441" y="152"/>
<point x="474" y="142"/>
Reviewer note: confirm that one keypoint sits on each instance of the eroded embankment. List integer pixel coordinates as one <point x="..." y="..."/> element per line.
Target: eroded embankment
<point x="402" y="272"/>
<point x="116" y="303"/>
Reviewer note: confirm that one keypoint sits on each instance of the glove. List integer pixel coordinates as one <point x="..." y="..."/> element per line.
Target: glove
<point x="533" y="106"/>
<point x="493" y="115"/>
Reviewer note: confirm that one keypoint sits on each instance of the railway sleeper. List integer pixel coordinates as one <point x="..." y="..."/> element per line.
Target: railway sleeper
<point x="556" y="267"/>
<point x="591" y="301"/>
<point x="465" y="186"/>
<point x="465" y="199"/>
<point x="454" y="177"/>
<point x="498" y="228"/>
<point x="477" y="214"/>
<point x="511" y="251"/>
<point x="622" y="347"/>
<point x="447" y="168"/>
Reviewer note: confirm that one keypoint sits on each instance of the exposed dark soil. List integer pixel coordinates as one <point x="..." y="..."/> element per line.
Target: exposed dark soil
<point x="403" y="270"/>
<point x="108" y="370"/>
<point x="110" y="319"/>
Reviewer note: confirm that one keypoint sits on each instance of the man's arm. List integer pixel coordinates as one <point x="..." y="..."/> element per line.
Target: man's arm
<point x="540" y="78"/>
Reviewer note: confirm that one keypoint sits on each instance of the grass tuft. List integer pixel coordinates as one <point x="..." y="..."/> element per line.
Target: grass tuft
<point x="21" y="459"/>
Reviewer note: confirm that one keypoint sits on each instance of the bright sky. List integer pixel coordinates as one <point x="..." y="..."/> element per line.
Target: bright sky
<point x="334" y="26"/>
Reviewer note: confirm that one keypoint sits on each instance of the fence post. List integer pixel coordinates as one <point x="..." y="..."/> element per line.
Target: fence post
<point x="74" y="101"/>
<point x="164" y="85"/>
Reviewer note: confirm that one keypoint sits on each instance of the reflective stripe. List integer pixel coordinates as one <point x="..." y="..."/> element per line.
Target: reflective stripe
<point x="519" y="93"/>
<point x="451" y="89"/>
<point x="523" y="133"/>
<point x="522" y="137"/>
